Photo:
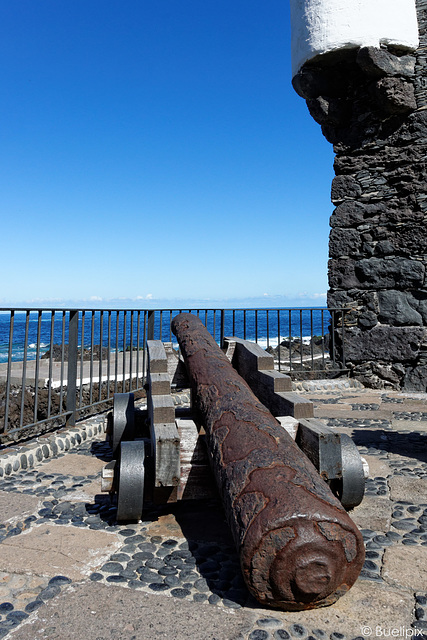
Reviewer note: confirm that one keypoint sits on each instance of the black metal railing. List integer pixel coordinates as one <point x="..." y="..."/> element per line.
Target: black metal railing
<point x="57" y="365"/>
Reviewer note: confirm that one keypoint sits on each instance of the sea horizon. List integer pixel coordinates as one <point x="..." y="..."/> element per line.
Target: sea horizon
<point x="265" y="301"/>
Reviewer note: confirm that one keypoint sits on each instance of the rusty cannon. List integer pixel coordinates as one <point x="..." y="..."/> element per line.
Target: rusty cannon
<point x="285" y="477"/>
<point x="298" y="547"/>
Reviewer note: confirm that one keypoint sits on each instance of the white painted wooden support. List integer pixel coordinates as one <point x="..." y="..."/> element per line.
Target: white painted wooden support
<point x="196" y="478"/>
<point x="165" y="446"/>
<point x="322" y="446"/>
<point x="290" y="425"/>
<point x="159" y="384"/>
<point x="107" y="476"/>
<point x="176" y="367"/>
<point x="365" y="465"/>
<point x="157" y="359"/>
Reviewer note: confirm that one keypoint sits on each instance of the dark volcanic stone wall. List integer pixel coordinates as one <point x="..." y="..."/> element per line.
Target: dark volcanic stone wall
<point x="372" y="106"/>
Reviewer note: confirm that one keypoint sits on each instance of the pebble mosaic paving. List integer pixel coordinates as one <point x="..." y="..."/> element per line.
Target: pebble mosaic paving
<point x="203" y="571"/>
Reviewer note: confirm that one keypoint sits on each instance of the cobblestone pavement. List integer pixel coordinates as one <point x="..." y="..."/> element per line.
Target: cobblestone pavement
<point x="67" y="570"/>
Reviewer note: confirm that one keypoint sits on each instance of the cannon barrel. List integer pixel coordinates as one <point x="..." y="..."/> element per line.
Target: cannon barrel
<point x="298" y="547"/>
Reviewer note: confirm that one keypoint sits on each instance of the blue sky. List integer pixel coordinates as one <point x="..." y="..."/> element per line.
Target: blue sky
<point x="154" y="150"/>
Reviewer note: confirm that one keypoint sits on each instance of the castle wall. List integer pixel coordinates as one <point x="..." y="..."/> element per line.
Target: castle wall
<point x="371" y="103"/>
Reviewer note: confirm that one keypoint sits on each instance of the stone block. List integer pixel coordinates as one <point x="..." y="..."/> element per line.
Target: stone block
<point x="397" y="308"/>
<point x="416" y="378"/>
<point x="394" y="95"/>
<point x="380" y="62"/>
<point x="388" y="344"/>
<point x="342" y="274"/>
<point x="353" y="214"/>
<point x="344" y="242"/>
<point x="345" y="188"/>
<point x="383" y="273"/>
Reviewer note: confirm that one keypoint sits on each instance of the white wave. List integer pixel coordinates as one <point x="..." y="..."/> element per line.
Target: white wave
<point x="273" y="342"/>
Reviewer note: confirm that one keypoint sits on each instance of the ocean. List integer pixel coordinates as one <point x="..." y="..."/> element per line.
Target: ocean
<point x="35" y="331"/>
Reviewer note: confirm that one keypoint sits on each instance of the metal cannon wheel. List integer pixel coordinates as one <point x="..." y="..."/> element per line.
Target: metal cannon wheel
<point x="130" y="498"/>
<point x="122" y="425"/>
<point x="351" y="488"/>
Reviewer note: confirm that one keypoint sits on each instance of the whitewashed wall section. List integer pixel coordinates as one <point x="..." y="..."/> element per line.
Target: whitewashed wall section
<point x="321" y="26"/>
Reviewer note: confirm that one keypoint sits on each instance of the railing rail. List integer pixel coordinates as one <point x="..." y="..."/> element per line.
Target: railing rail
<point x="57" y="365"/>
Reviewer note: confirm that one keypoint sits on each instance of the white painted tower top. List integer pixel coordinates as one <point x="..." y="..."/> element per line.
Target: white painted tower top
<point x="320" y="26"/>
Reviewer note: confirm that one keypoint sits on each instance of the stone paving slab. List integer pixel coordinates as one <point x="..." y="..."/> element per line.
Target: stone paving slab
<point x="49" y="550"/>
<point x="19" y="506"/>
<point x="105" y="614"/>
<point x="401" y="566"/>
<point x="401" y="488"/>
<point x="76" y="465"/>
<point x="177" y="569"/>
<point x="365" y="605"/>
<point x="374" y="513"/>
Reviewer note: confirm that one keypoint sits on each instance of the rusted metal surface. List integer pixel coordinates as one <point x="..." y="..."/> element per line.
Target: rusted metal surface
<point x="298" y="547"/>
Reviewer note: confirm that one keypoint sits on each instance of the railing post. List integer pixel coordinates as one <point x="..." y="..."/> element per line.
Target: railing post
<point x="221" y="337"/>
<point x="73" y="328"/>
<point x="150" y="325"/>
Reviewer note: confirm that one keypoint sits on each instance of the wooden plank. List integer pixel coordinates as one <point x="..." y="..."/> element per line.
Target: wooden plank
<point x="157" y="359"/>
<point x="274" y="380"/>
<point x="288" y="404"/>
<point x="249" y="357"/>
<point x="161" y="409"/>
<point x="159" y="384"/>
<point x="165" y="442"/>
<point x="257" y="368"/>
<point x="322" y="446"/>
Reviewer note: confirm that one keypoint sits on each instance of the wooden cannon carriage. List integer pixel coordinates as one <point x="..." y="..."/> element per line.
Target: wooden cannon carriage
<point x="279" y="471"/>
